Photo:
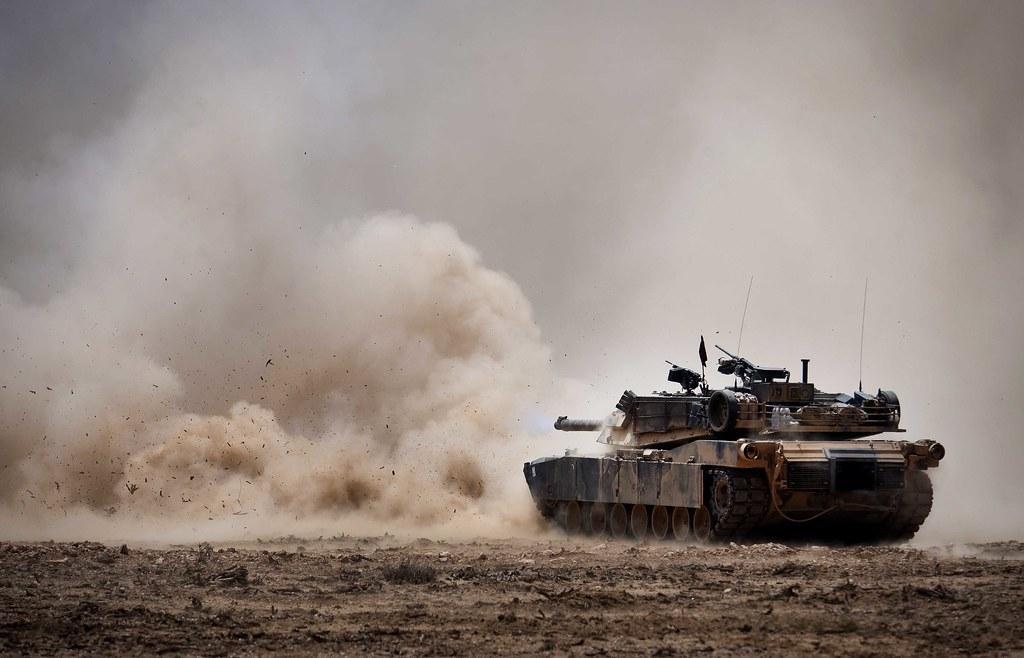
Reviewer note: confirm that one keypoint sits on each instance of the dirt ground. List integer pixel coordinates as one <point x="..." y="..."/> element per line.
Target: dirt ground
<point x="384" y="596"/>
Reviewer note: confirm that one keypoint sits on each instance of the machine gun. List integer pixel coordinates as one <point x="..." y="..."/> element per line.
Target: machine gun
<point x="685" y="377"/>
<point x="747" y="371"/>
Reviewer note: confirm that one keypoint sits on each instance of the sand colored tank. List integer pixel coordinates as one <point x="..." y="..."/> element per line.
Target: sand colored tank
<point x="769" y="456"/>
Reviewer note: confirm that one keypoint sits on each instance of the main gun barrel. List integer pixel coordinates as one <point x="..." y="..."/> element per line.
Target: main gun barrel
<point x="567" y="424"/>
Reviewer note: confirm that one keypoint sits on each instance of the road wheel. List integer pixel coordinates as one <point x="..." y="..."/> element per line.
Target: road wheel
<point x="680" y="523"/>
<point x="618" y="521"/>
<point x="702" y="524"/>
<point x="660" y="522"/>
<point x="573" y="518"/>
<point x="638" y="522"/>
<point x="598" y="518"/>
<point x="585" y="509"/>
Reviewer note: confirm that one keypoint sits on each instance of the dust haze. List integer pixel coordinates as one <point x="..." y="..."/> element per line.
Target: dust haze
<point x="269" y="268"/>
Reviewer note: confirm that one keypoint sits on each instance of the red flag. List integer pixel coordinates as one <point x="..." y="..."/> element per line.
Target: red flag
<point x="703" y="353"/>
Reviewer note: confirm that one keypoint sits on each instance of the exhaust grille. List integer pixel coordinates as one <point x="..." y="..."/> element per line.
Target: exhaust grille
<point x="850" y="475"/>
<point x="807" y="476"/>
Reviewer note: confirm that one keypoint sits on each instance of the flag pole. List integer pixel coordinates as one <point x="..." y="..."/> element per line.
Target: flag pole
<point x="702" y="352"/>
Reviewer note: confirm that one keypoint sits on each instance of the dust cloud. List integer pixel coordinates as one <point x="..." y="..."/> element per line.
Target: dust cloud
<point x="374" y="367"/>
<point x="190" y="190"/>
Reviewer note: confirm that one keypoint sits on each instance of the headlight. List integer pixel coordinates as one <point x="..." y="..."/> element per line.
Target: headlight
<point x="749" y="450"/>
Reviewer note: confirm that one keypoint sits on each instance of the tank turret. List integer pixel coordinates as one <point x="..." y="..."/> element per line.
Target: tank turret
<point x="767" y="403"/>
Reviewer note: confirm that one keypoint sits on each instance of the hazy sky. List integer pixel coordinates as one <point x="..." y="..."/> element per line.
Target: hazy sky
<point x="630" y="167"/>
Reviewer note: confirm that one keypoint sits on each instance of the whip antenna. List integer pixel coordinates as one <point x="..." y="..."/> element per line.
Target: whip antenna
<point x="863" y="315"/>
<point x="743" y="320"/>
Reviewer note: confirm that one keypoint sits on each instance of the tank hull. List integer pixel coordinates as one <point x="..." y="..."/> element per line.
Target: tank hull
<point x="861" y="490"/>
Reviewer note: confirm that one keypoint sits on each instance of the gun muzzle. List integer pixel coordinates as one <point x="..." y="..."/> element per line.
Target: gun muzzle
<point x="567" y="424"/>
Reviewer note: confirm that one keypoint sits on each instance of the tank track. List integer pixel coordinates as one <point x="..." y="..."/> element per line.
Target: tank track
<point x="913" y="507"/>
<point x="910" y="509"/>
<point x="735" y="505"/>
<point x="738" y="502"/>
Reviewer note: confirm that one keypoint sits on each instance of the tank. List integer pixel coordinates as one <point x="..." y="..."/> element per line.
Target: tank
<point x="765" y="457"/>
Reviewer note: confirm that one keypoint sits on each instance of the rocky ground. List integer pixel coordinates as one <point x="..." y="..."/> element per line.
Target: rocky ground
<point x="565" y="597"/>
